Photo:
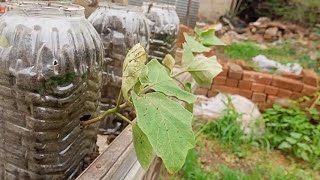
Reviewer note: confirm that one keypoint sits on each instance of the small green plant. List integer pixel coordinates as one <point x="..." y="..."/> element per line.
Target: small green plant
<point x="291" y="131"/>
<point x="163" y="124"/>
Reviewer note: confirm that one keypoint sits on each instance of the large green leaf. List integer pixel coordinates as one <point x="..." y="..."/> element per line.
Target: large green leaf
<point x="160" y="80"/>
<point x="142" y="146"/>
<point x="208" y="38"/>
<point x="132" y="67"/>
<point x="168" y="127"/>
<point x="204" y="69"/>
<point x="194" y="45"/>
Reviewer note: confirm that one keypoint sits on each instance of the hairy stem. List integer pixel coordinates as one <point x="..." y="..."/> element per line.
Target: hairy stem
<point x="103" y="115"/>
<point x="315" y="102"/>
<point x="178" y="74"/>
<point x="124" y="118"/>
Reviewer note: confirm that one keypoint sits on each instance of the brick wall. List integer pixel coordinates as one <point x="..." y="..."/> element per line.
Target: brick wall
<point x="261" y="88"/>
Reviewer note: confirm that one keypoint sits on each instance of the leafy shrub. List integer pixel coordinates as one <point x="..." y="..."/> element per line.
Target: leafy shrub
<point x="291" y="131"/>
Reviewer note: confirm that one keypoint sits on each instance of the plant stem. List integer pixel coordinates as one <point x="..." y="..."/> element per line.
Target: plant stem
<point x="103" y="115"/>
<point x="315" y="102"/>
<point x="100" y="117"/>
<point x="124" y="118"/>
<point x="179" y="73"/>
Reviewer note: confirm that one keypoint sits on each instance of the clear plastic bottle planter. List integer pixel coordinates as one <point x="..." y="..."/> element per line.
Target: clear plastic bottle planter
<point x="120" y="28"/>
<point x="164" y="28"/>
<point x="50" y="80"/>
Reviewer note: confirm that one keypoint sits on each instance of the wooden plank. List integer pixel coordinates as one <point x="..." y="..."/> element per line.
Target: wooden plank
<point x="136" y="172"/>
<point x="123" y="165"/>
<point x="100" y="167"/>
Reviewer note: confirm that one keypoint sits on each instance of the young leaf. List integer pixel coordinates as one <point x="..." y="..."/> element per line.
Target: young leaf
<point x="142" y="146"/>
<point x="188" y="88"/>
<point x="168" y="61"/>
<point x="194" y="45"/>
<point x="208" y="38"/>
<point x="3" y="41"/>
<point x="168" y="127"/>
<point x="204" y="69"/>
<point x="187" y="55"/>
<point x="132" y="67"/>
<point x="160" y="80"/>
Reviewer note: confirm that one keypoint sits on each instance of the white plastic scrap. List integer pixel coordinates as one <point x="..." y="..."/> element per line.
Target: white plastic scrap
<point x="214" y="107"/>
<point x="269" y="65"/>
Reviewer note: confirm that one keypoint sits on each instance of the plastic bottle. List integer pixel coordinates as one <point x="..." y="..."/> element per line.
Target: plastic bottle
<point x="50" y="80"/>
<point x="164" y="28"/>
<point x="120" y="28"/>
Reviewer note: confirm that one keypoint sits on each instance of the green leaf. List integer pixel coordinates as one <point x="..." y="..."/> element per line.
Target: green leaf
<point x="169" y="61"/>
<point x="4" y="41"/>
<point x="285" y="145"/>
<point x="142" y="146"/>
<point x="132" y="67"/>
<point x="296" y="135"/>
<point x="194" y="45"/>
<point x="208" y="38"/>
<point x="304" y="156"/>
<point x="160" y="80"/>
<point x="291" y="140"/>
<point x="305" y="147"/>
<point x="187" y="55"/>
<point x="204" y="69"/>
<point x="168" y="127"/>
<point x="188" y="88"/>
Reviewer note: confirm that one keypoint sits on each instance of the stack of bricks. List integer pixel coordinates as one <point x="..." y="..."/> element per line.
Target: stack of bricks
<point x="261" y="88"/>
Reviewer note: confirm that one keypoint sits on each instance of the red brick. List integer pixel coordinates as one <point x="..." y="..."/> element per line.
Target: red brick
<point x="286" y="83"/>
<point x="245" y="93"/>
<point x="292" y="76"/>
<point x="225" y="69"/>
<point x="232" y="82"/>
<point x="258" y="87"/>
<point x="225" y="89"/>
<point x="220" y="80"/>
<point x="235" y="71"/>
<point x="245" y="84"/>
<point x="295" y="95"/>
<point x="272" y="99"/>
<point x="180" y="39"/>
<point x="258" y="97"/>
<point x="202" y="91"/>
<point x="271" y="90"/>
<point x="210" y="53"/>
<point x="310" y="77"/>
<point x="264" y="106"/>
<point x="308" y="90"/>
<point x="262" y="78"/>
<point x="178" y="56"/>
<point x="283" y="93"/>
<point x="212" y="93"/>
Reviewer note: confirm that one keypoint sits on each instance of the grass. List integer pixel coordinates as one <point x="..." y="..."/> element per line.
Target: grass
<point x="223" y="151"/>
<point x="285" y="53"/>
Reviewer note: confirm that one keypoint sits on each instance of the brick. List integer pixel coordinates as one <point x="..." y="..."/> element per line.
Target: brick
<point x="258" y="87"/>
<point x="272" y="99"/>
<point x="178" y="56"/>
<point x="201" y="91"/>
<point x="209" y="53"/>
<point x="286" y="83"/>
<point x="262" y="78"/>
<point x="258" y="97"/>
<point x="310" y="77"/>
<point x="245" y="84"/>
<point x="308" y="90"/>
<point x="235" y="71"/>
<point x="245" y="93"/>
<point x="264" y="106"/>
<point x="293" y="76"/>
<point x="180" y="39"/>
<point x="295" y="95"/>
<point x="226" y="89"/>
<point x="283" y="93"/>
<point x="271" y="90"/>
<point x="212" y="93"/>
<point x="220" y="80"/>
<point x="224" y="69"/>
<point x="232" y="82"/>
